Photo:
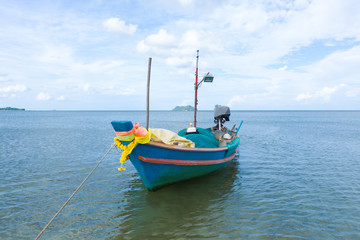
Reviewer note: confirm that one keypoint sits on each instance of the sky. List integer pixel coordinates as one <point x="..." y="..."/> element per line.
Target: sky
<point x="264" y="54"/>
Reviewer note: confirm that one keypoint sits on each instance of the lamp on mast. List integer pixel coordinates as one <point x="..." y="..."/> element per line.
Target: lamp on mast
<point x="207" y="78"/>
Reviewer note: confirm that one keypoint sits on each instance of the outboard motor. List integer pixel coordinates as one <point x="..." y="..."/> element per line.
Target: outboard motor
<point x="221" y="115"/>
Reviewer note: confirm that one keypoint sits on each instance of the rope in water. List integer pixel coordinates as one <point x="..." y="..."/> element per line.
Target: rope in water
<point x="48" y="224"/>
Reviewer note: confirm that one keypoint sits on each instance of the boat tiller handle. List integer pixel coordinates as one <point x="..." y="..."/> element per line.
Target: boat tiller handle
<point x="239" y="127"/>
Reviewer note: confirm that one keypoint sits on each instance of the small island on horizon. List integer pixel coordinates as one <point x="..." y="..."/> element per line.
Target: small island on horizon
<point x="12" y="109"/>
<point x="183" y="108"/>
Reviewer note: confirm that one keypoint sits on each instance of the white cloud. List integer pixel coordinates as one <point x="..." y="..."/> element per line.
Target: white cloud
<point x="43" y="96"/>
<point x="85" y="87"/>
<point x="141" y="47"/>
<point x="303" y="96"/>
<point x="127" y="91"/>
<point x="3" y="79"/>
<point x="353" y="92"/>
<point x="338" y="66"/>
<point x="179" y="61"/>
<point x="60" y="98"/>
<point x="283" y="68"/>
<point x="178" y="51"/>
<point x="162" y="38"/>
<point x="117" y="25"/>
<point x="185" y="2"/>
<point x="156" y="42"/>
<point x="52" y="53"/>
<point x="236" y="100"/>
<point x="12" y="90"/>
<point x="314" y="43"/>
<point x="191" y="39"/>
<point x="324" y="93"/>
<point x="253" y="17"/>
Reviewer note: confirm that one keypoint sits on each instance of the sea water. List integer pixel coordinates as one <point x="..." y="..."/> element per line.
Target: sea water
<point x="297" y="177"/>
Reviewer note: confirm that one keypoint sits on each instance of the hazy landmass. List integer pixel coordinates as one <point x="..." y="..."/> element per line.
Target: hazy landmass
<point x="183" y="108"/>
<point x="12" y="109"/>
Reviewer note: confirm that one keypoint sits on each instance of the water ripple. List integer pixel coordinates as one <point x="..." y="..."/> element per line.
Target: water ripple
<point x="297" y="177"/>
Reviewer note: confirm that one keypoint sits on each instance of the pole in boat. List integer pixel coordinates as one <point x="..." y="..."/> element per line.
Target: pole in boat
<point x="196" y="86"/>
<point x="207" y="78"/>
<point x="148" y="95"/>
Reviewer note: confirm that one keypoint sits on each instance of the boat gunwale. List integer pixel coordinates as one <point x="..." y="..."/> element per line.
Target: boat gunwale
<point x="187" y="162"/>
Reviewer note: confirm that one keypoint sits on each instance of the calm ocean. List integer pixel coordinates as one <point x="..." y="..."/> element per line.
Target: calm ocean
<point x="297" y="177"/>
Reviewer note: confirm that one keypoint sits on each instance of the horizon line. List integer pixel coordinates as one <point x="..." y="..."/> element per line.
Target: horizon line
<point x="203" y="110"/>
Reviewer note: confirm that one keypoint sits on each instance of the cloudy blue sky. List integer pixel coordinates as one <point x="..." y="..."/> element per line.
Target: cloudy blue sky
<point x="265" y="55"/>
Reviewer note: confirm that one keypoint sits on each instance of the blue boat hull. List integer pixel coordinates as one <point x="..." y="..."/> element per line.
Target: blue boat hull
<point x="159" y="164"/>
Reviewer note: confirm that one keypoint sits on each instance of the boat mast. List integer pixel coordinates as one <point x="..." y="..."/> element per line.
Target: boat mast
<point x="196" y="86"/>
<point x="148" y="95"/>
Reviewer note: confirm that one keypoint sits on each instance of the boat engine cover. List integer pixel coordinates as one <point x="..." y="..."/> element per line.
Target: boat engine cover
<point x="222" y="112"/>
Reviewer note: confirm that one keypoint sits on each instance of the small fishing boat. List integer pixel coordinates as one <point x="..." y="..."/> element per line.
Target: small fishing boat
<point x="162" y="157"/>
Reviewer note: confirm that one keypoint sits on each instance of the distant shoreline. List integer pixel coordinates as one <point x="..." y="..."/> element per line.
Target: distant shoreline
<point x="12" y="109"/>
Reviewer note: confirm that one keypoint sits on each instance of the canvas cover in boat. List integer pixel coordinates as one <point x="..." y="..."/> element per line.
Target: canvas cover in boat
<point x="169" y="137"/>
<point x="204" y="139"/>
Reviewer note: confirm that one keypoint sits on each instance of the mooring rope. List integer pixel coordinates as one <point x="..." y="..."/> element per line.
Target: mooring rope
<point x="48" y="224"/>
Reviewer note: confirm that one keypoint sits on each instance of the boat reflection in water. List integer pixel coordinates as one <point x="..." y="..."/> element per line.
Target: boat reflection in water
<point x="182" y="210"/>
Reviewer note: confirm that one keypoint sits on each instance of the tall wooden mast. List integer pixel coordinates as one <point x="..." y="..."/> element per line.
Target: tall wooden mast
<point x="196" y="86"/>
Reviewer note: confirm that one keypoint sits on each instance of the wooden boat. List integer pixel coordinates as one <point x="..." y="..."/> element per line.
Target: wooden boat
<point x="160" y="164"/>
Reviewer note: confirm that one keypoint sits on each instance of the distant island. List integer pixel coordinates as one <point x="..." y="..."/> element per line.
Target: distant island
<point x="12" y="109"/>
<point x="183" y="108"/>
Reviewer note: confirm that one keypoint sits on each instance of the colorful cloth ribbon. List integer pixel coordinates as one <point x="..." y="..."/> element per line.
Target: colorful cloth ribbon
<point x="136" y="135"/>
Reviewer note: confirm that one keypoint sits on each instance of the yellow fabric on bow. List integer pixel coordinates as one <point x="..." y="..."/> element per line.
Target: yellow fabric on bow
<point x="141" y="135"/>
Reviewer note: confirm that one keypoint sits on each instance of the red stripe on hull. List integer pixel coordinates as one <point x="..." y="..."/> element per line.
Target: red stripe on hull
<point x="186" y="162"/>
